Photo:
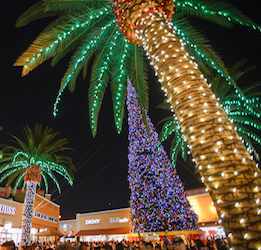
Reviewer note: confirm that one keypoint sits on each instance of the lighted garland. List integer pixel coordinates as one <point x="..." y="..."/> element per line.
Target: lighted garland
<point x="28" y="213"/>
<point x="158" y="201"/>
<point x="19" y="165"/>
<point x="245" y="120"/>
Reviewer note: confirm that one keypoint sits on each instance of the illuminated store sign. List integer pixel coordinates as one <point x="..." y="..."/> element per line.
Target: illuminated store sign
<point x="92" y="222"/>
<point x="44" y="217"/>
<point x="4" y="209"/>
<point x="118" y="220"/>
<point x="65" y="226"/>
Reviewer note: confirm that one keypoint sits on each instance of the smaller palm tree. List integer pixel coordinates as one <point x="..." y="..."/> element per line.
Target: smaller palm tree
<point x="32" y="162"/>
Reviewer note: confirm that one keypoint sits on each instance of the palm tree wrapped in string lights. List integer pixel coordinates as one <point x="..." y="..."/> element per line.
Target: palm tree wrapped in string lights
<point x="112" y="32"/>
<point x="245" y="120"/>
<point x="32" y="162"/>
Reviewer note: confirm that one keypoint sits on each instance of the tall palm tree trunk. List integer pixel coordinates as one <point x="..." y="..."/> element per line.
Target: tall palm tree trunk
<point x="28" y="212"/>
<point x="230" y="175"/>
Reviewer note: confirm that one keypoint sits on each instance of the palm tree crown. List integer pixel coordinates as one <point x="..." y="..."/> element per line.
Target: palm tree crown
<point x="96" y="29"/>
<point x="37" y="155"/>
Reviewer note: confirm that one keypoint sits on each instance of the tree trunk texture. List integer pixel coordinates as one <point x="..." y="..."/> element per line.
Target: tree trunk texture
<point x="227" y="169"/>
<point x="28" y="213"/>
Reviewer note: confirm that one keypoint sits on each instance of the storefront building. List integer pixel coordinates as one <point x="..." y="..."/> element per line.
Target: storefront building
<point x="45" y="214"/>
<point x="115" y="224"/>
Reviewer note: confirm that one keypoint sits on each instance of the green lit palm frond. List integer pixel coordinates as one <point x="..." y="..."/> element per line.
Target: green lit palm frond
<point x="85" y="23"/>
<point x="120" y="72"/>
<point x="59" y="38"/>
<point x="198" y="46"/>
<point x="82" y="57"/>
<point x="220" y="86"/>
<point x="87" y="28"/>
<point x="219" y="12"/>
<point x="168" y="128"/>
<point x="100" y="78"/>
<point x="178" y="145"/>
<point x="39" y="147"/>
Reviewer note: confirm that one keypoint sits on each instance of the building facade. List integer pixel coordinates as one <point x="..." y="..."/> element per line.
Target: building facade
<point x="115" y="224"/>
<point x="45" y="214"/>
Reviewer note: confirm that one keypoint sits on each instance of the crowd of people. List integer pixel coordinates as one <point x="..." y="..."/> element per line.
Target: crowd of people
<point x="175" y="243"/>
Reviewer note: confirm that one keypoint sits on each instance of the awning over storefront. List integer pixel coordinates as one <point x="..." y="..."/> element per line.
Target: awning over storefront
<point x="123" y="230"/>
<point x="50" y="232"/>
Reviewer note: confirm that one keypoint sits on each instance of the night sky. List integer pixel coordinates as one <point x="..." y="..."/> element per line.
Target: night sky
<point x="101" y="162"/>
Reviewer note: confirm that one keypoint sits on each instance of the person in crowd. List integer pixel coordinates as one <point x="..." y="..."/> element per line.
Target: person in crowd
<point x="143" y="245"/>
<point x="83" y="246"/>
<point x="65" y="246"/>
<point x="78" y="244"/>
<point x="200" y="245"/>
<point x="221" y="244"/>
<point x="178" y="243"/>
<point x="149" y="246"/>
<point x="166" y="240"/>
<point x="8" y="245"/>
<point x="107" y="246"/>
<point x="119" y="246"/>
<point x="158" y="247"/>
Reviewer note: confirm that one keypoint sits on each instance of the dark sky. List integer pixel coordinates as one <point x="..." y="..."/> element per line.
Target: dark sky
<point x="101" y="176"/>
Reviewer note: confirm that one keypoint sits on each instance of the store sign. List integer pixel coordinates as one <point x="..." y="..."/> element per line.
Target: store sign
<point x="118" y="220"/>
<point x="92" y="221"/>
<point x="44" y="217"/>
<point x="65" y="226"/>
<point x="4" y="209"/>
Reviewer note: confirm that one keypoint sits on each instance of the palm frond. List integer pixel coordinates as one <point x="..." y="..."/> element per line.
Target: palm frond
<point x="86" y="21"/>
<point x="82" y="56"/>
<point x="54" y="39"/>
<point x="175" y="150"/>
<point x="198" y="46"/>
<point x="67" y="161"/>
<point x="68" y="5"/>
<point x="167" y="129"/>
<point x="35" y="12"/>
<point x="99" y="82"/>
<point x="20" y="143"/>
<point x="63" y="171"/>
<point x="219" y="12"/>
<point x="119" y="74"/>
<point x="19" y="180"/>
<point x="51" y="175"/>
<point x="13" y="176"/>
<point x="138" y="74"/>
<point x="45" y="182"/>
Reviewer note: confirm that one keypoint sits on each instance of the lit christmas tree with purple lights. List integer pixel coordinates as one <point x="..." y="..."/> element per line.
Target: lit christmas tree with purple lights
<point x="158" y="201"/>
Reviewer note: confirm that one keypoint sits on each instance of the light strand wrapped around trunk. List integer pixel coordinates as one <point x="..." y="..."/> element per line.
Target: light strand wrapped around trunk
<point x="227" y="169"/>
<point x="28" y="213"/>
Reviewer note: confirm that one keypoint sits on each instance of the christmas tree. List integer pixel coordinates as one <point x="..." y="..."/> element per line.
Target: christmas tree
<point x="158" y="201"/>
